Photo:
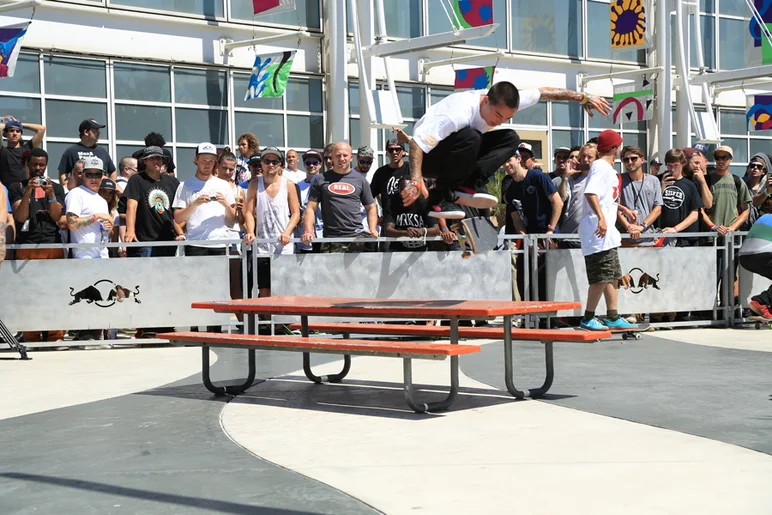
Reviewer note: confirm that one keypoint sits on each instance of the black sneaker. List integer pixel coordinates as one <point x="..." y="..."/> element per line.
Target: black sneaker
<point x="477" y="197"/>
<point x="447" y="209"/>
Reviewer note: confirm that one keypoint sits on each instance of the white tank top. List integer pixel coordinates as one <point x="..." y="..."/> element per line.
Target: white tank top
<point x="272" y="216"/>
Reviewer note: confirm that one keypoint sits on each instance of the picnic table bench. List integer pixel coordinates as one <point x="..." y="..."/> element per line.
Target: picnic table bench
<point x="451" y="310"/>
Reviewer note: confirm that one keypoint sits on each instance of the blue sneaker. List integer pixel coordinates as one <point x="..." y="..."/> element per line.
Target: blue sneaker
<point x="593" y="325"/>
<point x="620" y="323"/>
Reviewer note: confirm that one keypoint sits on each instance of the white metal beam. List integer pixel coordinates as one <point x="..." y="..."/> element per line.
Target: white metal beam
<point x="404" y="46"/>
<point x="760" y="84"/>
<point x="5" y="8"/>
<point x="228" y="45"/>
<point x="733" y="75"/>
<point x="621" y="75"/>
<point x="481" y="59"/>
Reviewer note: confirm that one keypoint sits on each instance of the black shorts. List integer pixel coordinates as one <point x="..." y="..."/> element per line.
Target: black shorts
<point x="603" y="267"/>
<point x="263" y="272"/>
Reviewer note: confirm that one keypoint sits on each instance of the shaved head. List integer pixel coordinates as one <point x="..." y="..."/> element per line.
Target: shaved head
<point x="342" y="157"/>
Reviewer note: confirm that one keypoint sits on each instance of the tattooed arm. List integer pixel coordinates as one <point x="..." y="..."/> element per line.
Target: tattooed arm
<point x="79" y="222"/>
<point x="589" y="102"/>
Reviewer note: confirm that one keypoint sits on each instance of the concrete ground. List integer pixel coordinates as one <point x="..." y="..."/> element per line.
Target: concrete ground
<point x="678" y="422"/>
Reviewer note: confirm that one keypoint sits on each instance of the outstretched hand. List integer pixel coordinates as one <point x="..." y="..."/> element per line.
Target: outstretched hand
<point x="598" y="104"/>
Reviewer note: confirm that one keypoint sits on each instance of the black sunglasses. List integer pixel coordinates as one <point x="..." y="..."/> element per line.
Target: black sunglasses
<point x="93" y="175"/>
<point x="271" y="161"/>
<point x="630" y="159"/>
<point x="312" y="162"/>
<point x="756" y="165"/>
<point x="394" y="150"/>
<point x="365" y="161"/>
<point x="722" y="157"/>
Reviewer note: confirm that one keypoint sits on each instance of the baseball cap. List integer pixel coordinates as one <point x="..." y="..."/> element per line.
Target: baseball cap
<point x="725" y="149"/>
<point x="525" y="146"/>
<point x="272" y="150"/>
<point x="365" y="151"/>
<point x="313" y="153"/>
<point x="394" y="142"/>
<point x="107" y="184"/>
<point x="702" y="148"/>
<point x="13" y="124"/>
<point x="206" y="148"/>
<point x="254" y="159"/>
<point x="89" y="123"/>
<point x="152" y="151"/>
<point x="562" y="149"/>
<point x="607" y="140"/>
<point x="655" y="162"/>
<point x="93" y="163"/>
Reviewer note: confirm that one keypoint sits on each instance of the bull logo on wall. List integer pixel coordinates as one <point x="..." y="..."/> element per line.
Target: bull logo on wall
<point x="104" y="293"/>
<point x="636" y="280"/>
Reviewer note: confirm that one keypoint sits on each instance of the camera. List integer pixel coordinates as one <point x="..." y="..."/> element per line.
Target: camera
<point x="213" y="198"/>
<point x="42" y="182"/>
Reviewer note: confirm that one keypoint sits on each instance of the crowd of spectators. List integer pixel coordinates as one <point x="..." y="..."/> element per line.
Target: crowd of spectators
<point x="265" y="194"/>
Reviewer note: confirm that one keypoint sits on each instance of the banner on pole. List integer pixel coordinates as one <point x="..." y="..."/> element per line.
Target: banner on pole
<point x="10" y="44"/>
<point x="471" y="13"/>
<point x="270" y="74"/>
<point x="634" y="101"/>
<point x="629" y="25"/>
<point x="263" y="7"/>
<point x="474" y="78"/>
<point x="758" y="38"/>
<point x="759" y="115"/>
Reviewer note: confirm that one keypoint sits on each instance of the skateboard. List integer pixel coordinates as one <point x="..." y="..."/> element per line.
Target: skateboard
<point x="629" y="333"/>
<point x="475" y="235"/>
<point x="761" y="321"/>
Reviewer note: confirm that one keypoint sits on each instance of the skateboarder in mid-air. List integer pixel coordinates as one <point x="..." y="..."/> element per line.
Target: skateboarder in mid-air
<point x="454" y="143"/>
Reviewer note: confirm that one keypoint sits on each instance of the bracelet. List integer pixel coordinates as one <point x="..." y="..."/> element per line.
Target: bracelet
<point x="585" y="98"/>
<point x="444" y="230"/>
<point x="95" y="219"/>
<point x="52" y="200"/>
<point x="181" y="236"/>
<point x="713" y="227"/>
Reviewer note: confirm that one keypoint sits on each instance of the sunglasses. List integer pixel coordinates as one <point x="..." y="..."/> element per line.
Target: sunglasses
<point x="722" y="157"/>
<point x="365" y="161"/>
<point x="273" y="162"/>
<point x="756" y="165"/>
<point x="394" y="150"/>
<point x="93" y="175"/>
<point x="312" y="162"/>
<point x="630" y="159"/>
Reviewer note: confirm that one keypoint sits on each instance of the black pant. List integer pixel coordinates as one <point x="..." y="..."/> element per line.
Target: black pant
<point x="191" y="250"/>
<point x="469" y="158"/>
<point x="760" y="264"/>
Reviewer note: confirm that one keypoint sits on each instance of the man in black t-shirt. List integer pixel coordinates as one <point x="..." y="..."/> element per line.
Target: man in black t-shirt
<point x="38" y="204"/>
<point x="681" y="201"/>
<point x="412" y="221"/>
<point x="385" y="180"/>
<point x="11" y="167"/>
<point x="89" y="131"/>
<point x="154" y="139"/>
<point x="148" y="200"/>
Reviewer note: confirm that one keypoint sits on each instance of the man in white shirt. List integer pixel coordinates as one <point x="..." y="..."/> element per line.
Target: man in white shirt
<point x="600" y="237"/>
<point x="87" y="213"/>
<point x="292" y="172"/>
<point x="455" y="143"/>
<point x="206" y="204"/>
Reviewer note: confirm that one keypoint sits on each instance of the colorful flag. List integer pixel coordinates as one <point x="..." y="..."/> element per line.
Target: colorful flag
<point x="759" y="115"/>
<point x="10" y="44"/>
<point x="758" y="40"/>
<point x="628" y="24"/>
<point x="269" y="75"/>
<point x="474" y="78"/>
<point x="263" y="7"/>
<point x="634" y="101"/>
<point x="471" y="13"/>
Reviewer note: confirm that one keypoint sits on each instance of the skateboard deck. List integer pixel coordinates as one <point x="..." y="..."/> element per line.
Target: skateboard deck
<point x="630" y="332"/>
<point x="475" y="235"/>
<point x="761" y="321"/>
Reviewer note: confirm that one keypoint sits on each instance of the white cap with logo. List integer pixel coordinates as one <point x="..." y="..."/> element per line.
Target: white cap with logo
<point x="206" y="148"/>
<point x="93" y="163"/>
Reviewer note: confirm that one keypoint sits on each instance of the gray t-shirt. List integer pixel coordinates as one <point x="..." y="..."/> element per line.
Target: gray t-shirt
<point x="574" y="210"/>
<point x="641" y="196"/>
<point x="341" y="198"/>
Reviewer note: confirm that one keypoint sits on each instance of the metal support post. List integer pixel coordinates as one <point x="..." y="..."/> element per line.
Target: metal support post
<point x="337" y="82"/>
<point x="231" y="389"/>
<point x="663" y="126"/>
<point x="333" y="378"/>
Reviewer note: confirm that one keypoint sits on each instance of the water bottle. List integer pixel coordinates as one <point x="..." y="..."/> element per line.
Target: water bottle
<point x="105" y="234"/>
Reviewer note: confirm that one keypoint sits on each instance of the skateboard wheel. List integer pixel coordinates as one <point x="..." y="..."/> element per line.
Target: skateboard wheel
<point x="625" y="336"/>
<point x="758" y="325"/>
<point x="637" y="336"/>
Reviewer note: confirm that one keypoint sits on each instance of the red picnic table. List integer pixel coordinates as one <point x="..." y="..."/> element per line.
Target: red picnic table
<point x="415" y="309"/>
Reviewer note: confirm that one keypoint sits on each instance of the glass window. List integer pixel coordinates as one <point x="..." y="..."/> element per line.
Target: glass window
<point x="240" y="83"/>
<point x="412" y="101"/>
<point x="598" y="38"/>
<point x="23" y="109"/>
<point x="602" y="122"/>
<point x="548" y="26"/>
<point x="353" y="131"/>
<point x="75" y="77"/>
<point x="208" y="8"/>
<point x="304" y="95"/>
<point x="64" y="117"/>
<point x="738" y="170"/>
<point x="126" y="151"/>
<point x="733" y="122"/>
<point x="740" y="148"/>
<point x="439" y="22"/>
<point x="731" y="44"/>
<point x="194" y="126"/>
<point x="306" y="14"/>
<point x="567" y="139"/>
<point x="733" y="7"/>
<point x="353" y="97"/>
<point x="305" y="131"/>
<point x="403" y="18"/>
<point x="567" y="114"/>
<point x="269" y="128"/>
<point x="637" y="139"/>
<point x="133" y="122"/>
<point x="438" y="94"/>
<point x="26" y="77"/>
<point x="204" y="87"/>
<point x="708" y="27"/>
<point x="184" y="163"/>
<point x="760" y="145"/>
<point x="139" y="82"/>
<point x="534" y="115"/>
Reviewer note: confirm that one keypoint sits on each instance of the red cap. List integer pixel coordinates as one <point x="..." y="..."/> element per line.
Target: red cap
<point x="689" y="152"/>
<point x="607" y="140"/>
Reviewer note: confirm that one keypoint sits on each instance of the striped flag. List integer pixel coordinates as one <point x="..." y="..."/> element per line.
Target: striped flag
<point x="270" y="74"/>
<point x="272" y="6"/>
<point x="10" y="44"/>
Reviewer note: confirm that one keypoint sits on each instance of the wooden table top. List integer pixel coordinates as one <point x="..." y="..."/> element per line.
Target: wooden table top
<point x="415" y="308"/>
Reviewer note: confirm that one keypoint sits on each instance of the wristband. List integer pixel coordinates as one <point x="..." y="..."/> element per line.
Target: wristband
<point x="644" y="225"/>
<point x="551" y="228"/>
<point x="713" y="227"/>
<point x="95" y="219"/>
<point x="52" y="200"/>
<point x="444" y="230"/>
<point x="585" y="98"/>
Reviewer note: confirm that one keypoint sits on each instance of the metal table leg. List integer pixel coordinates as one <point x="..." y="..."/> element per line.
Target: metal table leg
<point x="8" y="337"/>
<point x="332" y="378"/>
<point x="423" y="407"/>
<point x="227" y="390"/>
<point x="508" y="367"/>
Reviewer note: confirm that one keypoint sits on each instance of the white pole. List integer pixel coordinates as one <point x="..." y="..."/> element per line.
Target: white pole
<point x="664" y="101"/>
<point x="366" y="108"/>
<point x="684" y="106"/>
<point x="337" y="82"/>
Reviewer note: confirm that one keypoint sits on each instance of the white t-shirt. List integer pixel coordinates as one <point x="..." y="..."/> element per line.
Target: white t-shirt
<point x="295" y="177"/>
<point x="603" y="182"/>
<point x="207" y="222"/>
<point x="459" y="111"/>
<point x="83" y="202"/>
